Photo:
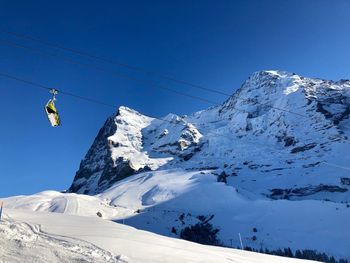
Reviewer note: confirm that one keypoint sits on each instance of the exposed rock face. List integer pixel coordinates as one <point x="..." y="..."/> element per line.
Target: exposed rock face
<point x="117" y="151"/>
<point x="97" y="160"/>
<point x="304" y="191"/>
<point x="278" y="131"/>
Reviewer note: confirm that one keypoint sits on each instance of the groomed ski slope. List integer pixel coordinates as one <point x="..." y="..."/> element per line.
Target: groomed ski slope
<point x="53" y="237"/>
<point x="154" y="201"/>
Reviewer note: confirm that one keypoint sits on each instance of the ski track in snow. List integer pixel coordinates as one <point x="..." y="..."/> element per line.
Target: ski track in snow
<point x="24" y="242"/>
<point x="72" y="205"/>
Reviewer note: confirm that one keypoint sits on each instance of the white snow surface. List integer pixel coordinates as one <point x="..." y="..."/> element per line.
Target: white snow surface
<point x="50" y="237"/>
<point x="159" y="200"/>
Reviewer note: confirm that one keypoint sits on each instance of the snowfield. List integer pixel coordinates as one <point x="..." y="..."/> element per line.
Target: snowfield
<point x="160" y="200"/>
<point x="52" y="237"/>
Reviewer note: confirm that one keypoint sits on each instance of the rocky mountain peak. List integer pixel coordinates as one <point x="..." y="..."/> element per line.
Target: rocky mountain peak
<point x="279" y="129"/>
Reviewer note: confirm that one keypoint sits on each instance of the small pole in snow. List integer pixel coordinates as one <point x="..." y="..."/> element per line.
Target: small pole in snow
<point x="1" y="204"/>
<point x="231" y="241"/>
<point x="123" y="221"/>
<point x="240" y="240"/>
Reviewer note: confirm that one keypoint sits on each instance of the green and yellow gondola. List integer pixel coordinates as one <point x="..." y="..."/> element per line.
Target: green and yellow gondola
<point x="51" y="111"/>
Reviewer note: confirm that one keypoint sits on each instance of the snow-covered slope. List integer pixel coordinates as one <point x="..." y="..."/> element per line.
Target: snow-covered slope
<point x="168" y="201"/>
<point x="41" y="237"/>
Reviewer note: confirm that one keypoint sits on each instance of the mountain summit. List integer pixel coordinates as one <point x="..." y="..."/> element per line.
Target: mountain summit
<point x="280" y="135"/>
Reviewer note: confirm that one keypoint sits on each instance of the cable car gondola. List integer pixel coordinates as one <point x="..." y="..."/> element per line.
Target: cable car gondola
<point x="51" y="111"/>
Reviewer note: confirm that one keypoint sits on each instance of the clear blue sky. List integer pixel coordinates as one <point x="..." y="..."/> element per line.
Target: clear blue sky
<point x="217" y="44"/>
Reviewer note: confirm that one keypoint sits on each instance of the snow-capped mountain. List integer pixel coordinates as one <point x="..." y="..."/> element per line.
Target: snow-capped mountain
<point x="280" y="135"/>
<point x="267" y="169"/>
